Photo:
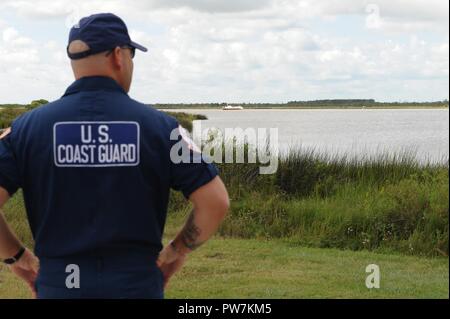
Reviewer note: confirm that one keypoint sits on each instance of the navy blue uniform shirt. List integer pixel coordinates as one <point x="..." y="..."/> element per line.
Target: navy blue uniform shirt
<point x="96" y="171"/>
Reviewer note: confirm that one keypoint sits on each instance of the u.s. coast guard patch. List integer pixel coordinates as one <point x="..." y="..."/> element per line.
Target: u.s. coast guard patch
<point x="96" y="144"/>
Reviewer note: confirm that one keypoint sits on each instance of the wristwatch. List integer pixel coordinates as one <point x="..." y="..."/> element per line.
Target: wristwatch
<point x="13" y="260"/>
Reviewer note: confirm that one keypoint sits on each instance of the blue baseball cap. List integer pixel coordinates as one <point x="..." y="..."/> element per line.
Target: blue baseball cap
<point x="101" y="32"/>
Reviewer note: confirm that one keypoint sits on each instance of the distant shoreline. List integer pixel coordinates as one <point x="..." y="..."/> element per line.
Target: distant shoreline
<point x="192" y="107"/>
<point x="340" y="104"/>
<point x="326" y="104"/>
<point x="304" y="108"/>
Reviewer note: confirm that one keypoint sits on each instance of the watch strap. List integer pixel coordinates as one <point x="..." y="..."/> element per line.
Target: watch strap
<point x="13" y="260"/>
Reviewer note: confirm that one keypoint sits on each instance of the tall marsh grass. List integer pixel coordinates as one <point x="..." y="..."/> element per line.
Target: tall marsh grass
<point x="381" y="203"/>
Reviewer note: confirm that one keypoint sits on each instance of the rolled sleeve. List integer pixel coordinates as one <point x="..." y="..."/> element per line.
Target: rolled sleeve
<point x="190" y="175"/>
<point x="9" y="174"/>
<point x="200" y="176"/>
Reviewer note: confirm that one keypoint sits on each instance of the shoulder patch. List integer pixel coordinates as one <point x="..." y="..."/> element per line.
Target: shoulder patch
<point x="5" y="133"/>
<point x="187" y="139"/>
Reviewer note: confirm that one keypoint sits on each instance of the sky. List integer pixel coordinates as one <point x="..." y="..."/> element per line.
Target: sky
<point x="241" y="51"/>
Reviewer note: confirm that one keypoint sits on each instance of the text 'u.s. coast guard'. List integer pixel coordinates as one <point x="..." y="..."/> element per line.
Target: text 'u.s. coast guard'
<point x="96" y="144"/>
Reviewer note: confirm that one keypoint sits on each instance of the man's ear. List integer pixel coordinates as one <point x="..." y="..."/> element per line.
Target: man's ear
<point x="118" y="58"/>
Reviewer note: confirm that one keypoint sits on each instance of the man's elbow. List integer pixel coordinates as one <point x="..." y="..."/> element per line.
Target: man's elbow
<point x="224" y="200"/>
<point x="224" y="205"/>
<point x="212" y="198"/>
<point x="221" y="204"/>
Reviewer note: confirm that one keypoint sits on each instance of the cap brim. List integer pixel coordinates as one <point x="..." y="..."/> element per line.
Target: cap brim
<point x="138" y="46"/>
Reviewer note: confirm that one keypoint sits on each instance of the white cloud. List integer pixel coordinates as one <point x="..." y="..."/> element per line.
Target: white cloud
<point x="244" y="50"/>
<point x="39" y="8"/>
<point x="401" y="9"/>
<point x="10" y="34"/>
<point x="213" y="6"/>
<point x="12" y="38"/>
<point x="29" y="70"/>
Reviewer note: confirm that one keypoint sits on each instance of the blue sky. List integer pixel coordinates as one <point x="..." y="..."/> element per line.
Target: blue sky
<point x="241" y="51"/>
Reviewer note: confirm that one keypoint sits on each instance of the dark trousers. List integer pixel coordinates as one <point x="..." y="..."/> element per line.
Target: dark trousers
<point x="100" y="276"/>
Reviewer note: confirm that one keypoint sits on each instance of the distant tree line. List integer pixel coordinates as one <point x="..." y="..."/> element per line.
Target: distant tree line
<point x="337" y="103"/>
<point x="333" y="103"/>
<point x="9" y="112"/>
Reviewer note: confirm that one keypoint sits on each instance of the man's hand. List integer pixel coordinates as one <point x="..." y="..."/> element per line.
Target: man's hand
<point x="211" y="204"/>
<point x="170" y="261"/>
<point x="27" y="268"/>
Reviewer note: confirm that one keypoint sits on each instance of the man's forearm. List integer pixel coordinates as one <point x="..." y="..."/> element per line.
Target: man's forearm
<point x="9" y="243"/>
<point x="199" y="228"/>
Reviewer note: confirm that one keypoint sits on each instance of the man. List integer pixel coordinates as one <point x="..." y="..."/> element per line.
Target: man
<point x="96" y="170"/>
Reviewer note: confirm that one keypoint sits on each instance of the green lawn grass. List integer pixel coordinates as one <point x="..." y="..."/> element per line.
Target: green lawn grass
<point x="278" y="268"/>
<point x="250" y="268"/>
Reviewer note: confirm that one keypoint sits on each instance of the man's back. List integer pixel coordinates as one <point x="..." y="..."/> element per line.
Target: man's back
<point x="95" y="169"/>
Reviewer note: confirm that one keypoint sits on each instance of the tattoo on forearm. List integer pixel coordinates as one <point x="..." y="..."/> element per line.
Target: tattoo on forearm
<point x="190" y="234"/>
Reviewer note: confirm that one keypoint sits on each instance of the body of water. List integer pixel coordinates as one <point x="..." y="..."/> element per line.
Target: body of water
<point x="347" y="132"/>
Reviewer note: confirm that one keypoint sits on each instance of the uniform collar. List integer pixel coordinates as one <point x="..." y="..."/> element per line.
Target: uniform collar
<point x="94" y="83"/>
